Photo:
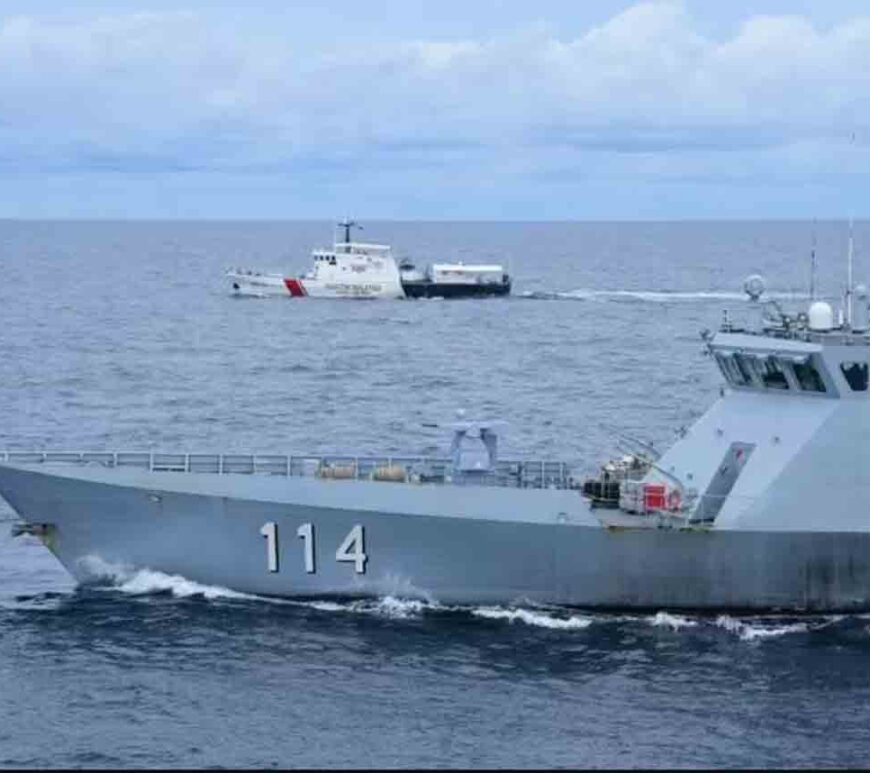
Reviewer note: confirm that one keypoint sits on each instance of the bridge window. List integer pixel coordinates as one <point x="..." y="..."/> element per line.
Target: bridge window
<point x="744" y="368"/>
<point x="856" y="375"/>
<point x="734" y="369"/>
<point x="808" y="377"/>
<point x="772" y="374"/>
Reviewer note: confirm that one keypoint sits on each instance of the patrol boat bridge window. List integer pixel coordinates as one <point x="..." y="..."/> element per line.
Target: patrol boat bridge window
<point x="856" y="374"/>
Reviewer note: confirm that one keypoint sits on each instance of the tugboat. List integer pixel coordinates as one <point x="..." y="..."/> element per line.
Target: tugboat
<point x="360" y="270"/>
<point x="758" y="506"/>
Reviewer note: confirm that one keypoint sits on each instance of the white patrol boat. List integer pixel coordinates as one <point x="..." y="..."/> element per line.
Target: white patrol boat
<point x="349" y="270"/>
<point x="360" y="270"/>
<point x="759" y="505"/>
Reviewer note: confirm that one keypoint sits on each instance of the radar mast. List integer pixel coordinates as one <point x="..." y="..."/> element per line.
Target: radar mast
<point x="347" y="224"/>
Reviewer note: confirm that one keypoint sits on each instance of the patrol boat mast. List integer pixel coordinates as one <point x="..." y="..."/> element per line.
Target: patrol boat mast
<point x="347" y="224"/>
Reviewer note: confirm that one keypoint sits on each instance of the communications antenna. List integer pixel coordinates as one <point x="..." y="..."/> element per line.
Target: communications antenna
<point x="850" y="255"/>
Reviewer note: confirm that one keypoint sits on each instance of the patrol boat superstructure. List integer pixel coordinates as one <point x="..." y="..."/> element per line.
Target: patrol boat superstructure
<point x="759" y="505"/>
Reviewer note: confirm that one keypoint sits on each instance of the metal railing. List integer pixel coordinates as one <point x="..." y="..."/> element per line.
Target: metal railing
<point x="414" y="469"/>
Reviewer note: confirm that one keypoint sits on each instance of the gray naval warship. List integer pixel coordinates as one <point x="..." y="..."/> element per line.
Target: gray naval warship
<point x="760" y="505"/>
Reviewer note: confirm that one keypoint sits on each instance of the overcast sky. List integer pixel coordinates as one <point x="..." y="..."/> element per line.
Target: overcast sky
<point x="451" y="110"/>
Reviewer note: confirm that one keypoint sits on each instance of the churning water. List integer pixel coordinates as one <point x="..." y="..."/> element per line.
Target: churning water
<point x="124" y="337"/>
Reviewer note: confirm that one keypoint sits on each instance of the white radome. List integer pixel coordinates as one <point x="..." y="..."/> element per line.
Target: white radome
<point x="821" y="316"/>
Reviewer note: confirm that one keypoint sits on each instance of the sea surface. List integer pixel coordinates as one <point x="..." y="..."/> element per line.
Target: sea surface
<point x="124" y="336"/>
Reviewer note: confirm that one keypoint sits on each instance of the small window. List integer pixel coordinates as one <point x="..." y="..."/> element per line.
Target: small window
<point x="856" y="375"/>
<point x="772" y="373"/>
<point x="730" y="370"/>
<point x="809" y="379"/>
<point x="742" y="366"/>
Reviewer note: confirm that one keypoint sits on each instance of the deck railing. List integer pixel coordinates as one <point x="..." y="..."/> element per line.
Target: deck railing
<point x="416" y="469"/>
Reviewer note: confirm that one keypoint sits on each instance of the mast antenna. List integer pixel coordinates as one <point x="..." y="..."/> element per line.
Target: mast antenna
<point x="849" y="271"/>
<point x="813" y="265"/>
<point x="347" y="224"/>
<point x="849" y="259"/>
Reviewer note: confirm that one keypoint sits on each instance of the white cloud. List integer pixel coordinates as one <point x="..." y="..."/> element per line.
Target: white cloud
<point x="181" y="89"/>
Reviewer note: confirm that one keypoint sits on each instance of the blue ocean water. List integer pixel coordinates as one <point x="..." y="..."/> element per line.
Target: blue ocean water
<point x="123" y="336"/>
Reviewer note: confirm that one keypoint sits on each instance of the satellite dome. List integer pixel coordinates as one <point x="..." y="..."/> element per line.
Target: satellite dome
<point x="821" y="316"/>
<point x="753" y="286"/>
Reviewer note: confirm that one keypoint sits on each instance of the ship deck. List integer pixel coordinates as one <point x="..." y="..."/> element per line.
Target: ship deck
<point x="534" y="474"/>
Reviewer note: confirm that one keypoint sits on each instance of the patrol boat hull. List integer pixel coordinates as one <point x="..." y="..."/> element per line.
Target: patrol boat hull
<point x="298" y="537"/>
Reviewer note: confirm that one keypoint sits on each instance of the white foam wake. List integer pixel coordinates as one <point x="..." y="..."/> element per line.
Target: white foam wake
<point x="751" y="630"/>
<point x="674" y="622"/>
<point x="387" y="606"/>
<point x="652" y="296"/>
<point x="533" y="617"/>
<point x="143" y="582"/>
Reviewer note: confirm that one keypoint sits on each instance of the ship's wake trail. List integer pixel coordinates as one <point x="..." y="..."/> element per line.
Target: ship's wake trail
<point x="753" y="628"/>
<point x="652" y="296"/>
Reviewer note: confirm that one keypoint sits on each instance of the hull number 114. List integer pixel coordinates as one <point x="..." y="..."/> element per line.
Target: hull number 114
<point x="351" y="550"/>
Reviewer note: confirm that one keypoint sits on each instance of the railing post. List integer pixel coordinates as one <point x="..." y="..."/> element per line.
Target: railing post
<point x="220" y="464"/>
<point x="151" y="461"/>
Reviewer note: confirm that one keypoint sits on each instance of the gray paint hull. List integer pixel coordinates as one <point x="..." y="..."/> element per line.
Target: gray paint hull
<point x="452" y="544"/>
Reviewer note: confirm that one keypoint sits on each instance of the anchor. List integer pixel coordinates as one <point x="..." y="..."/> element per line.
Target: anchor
<point x="41" y="530"/>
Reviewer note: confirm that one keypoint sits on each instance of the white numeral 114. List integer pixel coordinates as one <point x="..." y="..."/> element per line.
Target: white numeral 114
<point x="351" y="550"/>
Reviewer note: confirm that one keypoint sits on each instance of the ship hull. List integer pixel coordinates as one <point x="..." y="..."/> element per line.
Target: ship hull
<point x="263" y="285"/>
<point x="253" y="285"/>
<point x="451" y="544"/>
<point x="428" y="289"/>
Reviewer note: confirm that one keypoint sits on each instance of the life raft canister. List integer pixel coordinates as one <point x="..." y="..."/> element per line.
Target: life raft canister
<point x="654" y="496"/>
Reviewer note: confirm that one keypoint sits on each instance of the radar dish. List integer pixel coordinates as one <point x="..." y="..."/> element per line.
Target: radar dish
<point x="753" y="286"/>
